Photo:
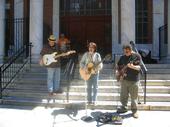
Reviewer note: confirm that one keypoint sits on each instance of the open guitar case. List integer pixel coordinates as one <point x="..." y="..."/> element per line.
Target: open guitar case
<point x="109" y="118"/>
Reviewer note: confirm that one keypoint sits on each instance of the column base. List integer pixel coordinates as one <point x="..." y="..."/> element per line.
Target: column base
<point x="165" y="60"/>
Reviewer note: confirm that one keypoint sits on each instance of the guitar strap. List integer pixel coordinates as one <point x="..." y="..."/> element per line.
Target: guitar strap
<point x="90" y="58"/>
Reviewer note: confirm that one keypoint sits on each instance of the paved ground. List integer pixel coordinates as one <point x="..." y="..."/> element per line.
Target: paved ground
<point x="53" y="117"/>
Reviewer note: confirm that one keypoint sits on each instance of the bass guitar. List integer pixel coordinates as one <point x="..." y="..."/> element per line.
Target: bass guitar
<point x="91" y="68"/>
<point x="50" y="58"/>
<point x="121" y="71"/>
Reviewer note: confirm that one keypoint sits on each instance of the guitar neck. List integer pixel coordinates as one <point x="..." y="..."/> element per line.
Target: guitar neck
<point x="63" y="54"/>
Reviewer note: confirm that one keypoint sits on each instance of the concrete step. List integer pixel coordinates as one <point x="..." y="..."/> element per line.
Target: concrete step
<point x="80" y="96"/>
<point x="81" y="104"/>
<point x="158" y="66"/>
<point x="75" y="82"/>
<point x="81" y="88"/>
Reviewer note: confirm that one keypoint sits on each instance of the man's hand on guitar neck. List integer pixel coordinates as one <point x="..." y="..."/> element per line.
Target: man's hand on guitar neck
<point x="134" y="67"/>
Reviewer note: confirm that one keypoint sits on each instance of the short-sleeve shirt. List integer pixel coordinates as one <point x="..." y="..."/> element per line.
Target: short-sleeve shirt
<point x="131" y="74"/>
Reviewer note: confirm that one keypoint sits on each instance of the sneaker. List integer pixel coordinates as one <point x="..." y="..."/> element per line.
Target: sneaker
<point x="135" y="115"/>
<point x="121" y="110"/>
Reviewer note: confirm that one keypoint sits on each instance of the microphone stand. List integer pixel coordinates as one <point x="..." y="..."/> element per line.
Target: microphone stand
<point x="86" y="118"/>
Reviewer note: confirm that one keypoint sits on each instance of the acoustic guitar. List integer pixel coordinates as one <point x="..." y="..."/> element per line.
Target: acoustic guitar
<point x="91" y="68"/>
<point x="51" y="58"/>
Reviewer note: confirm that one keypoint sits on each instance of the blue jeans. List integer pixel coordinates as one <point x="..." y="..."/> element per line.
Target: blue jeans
<point x="53" y="79"/>
<point x="92" y="86"/>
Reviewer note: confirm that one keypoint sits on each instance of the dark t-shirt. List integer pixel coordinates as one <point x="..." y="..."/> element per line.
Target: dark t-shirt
<point x="49" y="50"/>
<point x="131" y="74"/>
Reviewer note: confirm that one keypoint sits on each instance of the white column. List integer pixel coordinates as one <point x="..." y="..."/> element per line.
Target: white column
<point x="127" y="21"/>
<point x="169" y="28"/>
<point x="36" y="28"/>
<point x="158" y="21"/>
<point x="56" y="17"/>
<point x="18" y="8"/>
<point x="115" y="27"/>
<point x="2" y="29"/>
<point x="18" y="13"/>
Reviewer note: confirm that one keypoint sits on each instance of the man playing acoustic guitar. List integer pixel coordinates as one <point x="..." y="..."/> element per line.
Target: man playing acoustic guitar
<point x="91" y="64"/>
<point x="128" y="74"/>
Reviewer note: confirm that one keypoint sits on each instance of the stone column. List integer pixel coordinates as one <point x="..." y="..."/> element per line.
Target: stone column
<point x="127" y="21"/>
<point x="56" y="17"/>
<point x="36" y="28"/>
<point x="158" y="21"/>
<point x="2" y="29"/>
<point x="115" y="27"/>
<point x="18" y="8"/>
<point x="18" y="13"/>
<point x="169" y="28"/>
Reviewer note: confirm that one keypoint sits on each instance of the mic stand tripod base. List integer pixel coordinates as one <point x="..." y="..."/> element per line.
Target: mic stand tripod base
<point x="86" y="118"/>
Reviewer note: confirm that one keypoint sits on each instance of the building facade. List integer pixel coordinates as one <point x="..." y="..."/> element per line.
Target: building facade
<point x="109" y="23"/>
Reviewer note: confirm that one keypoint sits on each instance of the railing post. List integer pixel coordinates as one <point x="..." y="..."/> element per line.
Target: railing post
<point x="145" y="87"/>
<point x="0" y="83"/>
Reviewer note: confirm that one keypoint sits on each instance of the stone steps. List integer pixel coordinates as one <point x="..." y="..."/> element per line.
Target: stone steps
<point x="81" y="88"/>
<point x="80" y="95"/>
<point x="106" y="105"/>
<point x="31" y="89"/>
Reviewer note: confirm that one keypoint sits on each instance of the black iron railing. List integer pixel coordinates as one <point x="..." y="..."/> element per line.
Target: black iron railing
<point x="163" y="40"/>
<point x="17" y="51"/>
<point x="17" y="35"/>
<point x="143" y="81"/>
<point x="13" y="66"/>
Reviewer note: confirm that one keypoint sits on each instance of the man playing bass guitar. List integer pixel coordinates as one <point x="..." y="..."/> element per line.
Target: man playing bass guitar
<point x="91" y="65"/>
<point x="128" y="74"/>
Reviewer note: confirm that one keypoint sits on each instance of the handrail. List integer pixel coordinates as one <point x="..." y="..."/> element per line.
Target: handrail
<point x="12" y="67"/>
<point x="143" y="72"/>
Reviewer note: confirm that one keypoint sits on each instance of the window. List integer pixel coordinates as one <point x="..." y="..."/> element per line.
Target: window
<point x="85" y="7"/>
<point x="144" y="21"/>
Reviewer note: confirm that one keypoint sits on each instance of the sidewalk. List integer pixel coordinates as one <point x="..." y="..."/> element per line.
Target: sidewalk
<point x="53" y="117"/>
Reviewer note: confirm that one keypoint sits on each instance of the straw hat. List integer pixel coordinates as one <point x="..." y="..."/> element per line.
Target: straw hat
<point x="52" y="38"/>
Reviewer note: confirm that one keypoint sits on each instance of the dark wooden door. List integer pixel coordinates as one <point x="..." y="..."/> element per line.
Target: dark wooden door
<point x="81" y="30"/>
<point x="84" y="21"/>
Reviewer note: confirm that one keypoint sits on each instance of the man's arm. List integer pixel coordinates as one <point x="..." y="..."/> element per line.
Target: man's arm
<point x="134" y="67"/>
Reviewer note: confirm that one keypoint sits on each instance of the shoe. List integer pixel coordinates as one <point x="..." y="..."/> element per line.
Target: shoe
<point x="135" y="115"/>
<point x="50" y="93"/>
<point x="54" y="94"/>
<point x="121" y="110"/>
<point x="89" y="103"/>
<point x="94" y="103"/>
<point x="58" y="91"/>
